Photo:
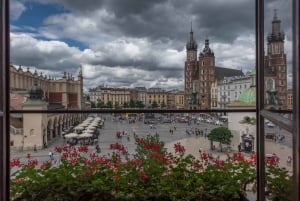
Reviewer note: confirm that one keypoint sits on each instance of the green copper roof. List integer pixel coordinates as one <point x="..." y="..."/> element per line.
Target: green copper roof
<point x="248" y="95"/>
<point x="253" y="72"/>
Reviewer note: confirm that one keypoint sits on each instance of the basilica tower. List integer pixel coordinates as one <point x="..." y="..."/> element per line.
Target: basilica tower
<point x="190" y="70"/>
<point x="276" y="68"/>
<point x="206" y="76"/>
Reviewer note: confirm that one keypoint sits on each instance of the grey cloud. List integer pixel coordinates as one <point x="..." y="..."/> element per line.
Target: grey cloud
<point x="162" y="24"/>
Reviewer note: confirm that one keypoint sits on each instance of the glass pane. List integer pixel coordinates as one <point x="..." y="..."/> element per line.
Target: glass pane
<point x="278" y="96"/>
<point x="278" y="55"/>
<point x="202" y="150"/>
<point x="278" y="159"/>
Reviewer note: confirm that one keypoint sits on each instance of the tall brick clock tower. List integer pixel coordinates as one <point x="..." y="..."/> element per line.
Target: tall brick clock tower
<point x="190" y="72"/>
<point x="275" y="68"/>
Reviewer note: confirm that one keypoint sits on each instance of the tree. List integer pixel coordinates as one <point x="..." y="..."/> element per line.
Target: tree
<point x="109" y="104"/>
<point x="100" y="104"/>
<point x="93" y="104"/>
<point x="132" y="104"/>
<point x="117" y="105"/>
<point x="154" y="104"/>
<point x="139" y="104"/>
<point x="126" y="105"/>
<point x="163" y="105"/>
<point x="248" y="120"/>
<point x="221" y="134"/>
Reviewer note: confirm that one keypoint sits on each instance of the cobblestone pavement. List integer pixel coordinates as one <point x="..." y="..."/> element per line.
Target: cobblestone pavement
<point x="191" y="142"/>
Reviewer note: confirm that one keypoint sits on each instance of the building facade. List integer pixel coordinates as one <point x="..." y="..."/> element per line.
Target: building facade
<point x="30" y="91"/>
<point x="275" y="68"/>
<point x="65" y="90"/>
<point x="199" y="75"/>
<point x="230" y="88"/>
<point x="156" y="97"/>
<point x="115" y="96"/>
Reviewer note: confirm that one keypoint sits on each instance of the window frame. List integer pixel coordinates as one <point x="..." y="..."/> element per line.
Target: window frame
<point x="292" y="126"/>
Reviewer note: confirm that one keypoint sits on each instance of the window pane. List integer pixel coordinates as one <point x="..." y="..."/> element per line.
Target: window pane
<point x="278" y="55"/>
<point x="278" y="159"/>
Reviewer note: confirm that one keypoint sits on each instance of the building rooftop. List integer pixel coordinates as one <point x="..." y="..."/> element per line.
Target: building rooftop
<point x="248" y="95"/>
<point x="221" y="72"/>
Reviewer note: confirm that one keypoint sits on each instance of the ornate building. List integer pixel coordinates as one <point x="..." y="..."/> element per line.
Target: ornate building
<point x="31" y="91"/>
<point x="276" y="68"/>
<point x="199" y="75"/>
<point x="65" y="91"/>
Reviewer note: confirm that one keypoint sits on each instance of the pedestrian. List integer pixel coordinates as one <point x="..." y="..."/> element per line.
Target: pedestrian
<point x="239" y="147"/>
<point x="51" y="155"/>
<point x="98" y="148"/>
<point x="289" y="161"/>
<point x="200" y="150"/>
<point x="34" y="148"/>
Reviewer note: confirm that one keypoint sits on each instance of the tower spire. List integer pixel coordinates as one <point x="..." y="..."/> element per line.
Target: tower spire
<point x="276" y="34"/>
<point x="275" y="14"/>
<point x="191" y="43"/>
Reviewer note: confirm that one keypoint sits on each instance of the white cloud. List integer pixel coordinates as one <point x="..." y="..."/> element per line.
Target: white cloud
<point x="126" y="47"/>
<point x="54" y="55"/>
<point x="88" y="29"/>
<point x="240" y="54"/>
<point x="16" y="9"/>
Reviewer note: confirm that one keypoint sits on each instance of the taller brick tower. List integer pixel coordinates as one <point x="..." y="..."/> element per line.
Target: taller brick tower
<point x="275" y="68"/>
<point x="190" y="71"/>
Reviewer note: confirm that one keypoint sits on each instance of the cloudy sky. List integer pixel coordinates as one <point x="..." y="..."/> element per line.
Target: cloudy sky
<point x="129" y="43"/>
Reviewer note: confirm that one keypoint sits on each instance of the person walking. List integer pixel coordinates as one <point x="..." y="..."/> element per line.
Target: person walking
<point x="98" y="150"/>
<point x="51" y="156"/>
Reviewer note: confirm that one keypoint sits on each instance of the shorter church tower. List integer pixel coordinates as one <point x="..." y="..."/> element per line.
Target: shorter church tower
<point x="206" y="76"/>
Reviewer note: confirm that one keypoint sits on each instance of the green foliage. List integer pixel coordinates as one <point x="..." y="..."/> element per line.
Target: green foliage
<point x="126" y="105"/>
<point x="117" y="106"/>
<point x="248" y="120"/>
<point x="100" y="104"/>
<point x="154" y="105"/>
<point x="93" y="104"/>
<point x="279" y="181"/>
<point x="220" y="134"/>
<point x="109" y="104"/>
<point x="152" y="174"/>
<point x="139" y="104"/>
<point x="132" y="104"/>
